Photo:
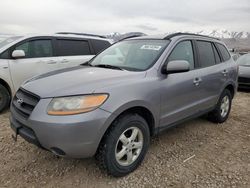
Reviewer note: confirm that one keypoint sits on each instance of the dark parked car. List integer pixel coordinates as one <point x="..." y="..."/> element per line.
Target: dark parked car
<point x="244" y="71"/>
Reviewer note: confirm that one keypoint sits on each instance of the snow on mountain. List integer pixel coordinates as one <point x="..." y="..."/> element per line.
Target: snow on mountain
<point x="234" y="40"/>
<point x="225" y="34"/>
<point x="119" y="36"/>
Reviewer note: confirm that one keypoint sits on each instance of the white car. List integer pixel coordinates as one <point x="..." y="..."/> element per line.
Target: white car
<point x="22" y="57"/>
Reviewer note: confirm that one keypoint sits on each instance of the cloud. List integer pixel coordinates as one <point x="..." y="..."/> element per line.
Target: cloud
<point x="105" y="16"/>
<point x="147" y="27"/>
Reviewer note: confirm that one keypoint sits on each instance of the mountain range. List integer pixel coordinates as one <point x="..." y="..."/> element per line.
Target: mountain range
<point x="234" y="40"/>
<point x="225" y="34"/>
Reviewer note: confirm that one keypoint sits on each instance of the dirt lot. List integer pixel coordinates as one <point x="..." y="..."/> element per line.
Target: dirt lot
<point x="220" y="158"/>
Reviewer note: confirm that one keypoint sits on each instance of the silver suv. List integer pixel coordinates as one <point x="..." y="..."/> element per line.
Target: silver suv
<point x="22" y="57"/>
<point x="112" y="105"/>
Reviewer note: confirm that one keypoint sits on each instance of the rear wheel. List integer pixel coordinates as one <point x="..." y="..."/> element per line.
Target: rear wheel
<point x="221" y="112"/>
<point x="4" y="98"/>
<point x="124" y="145"/>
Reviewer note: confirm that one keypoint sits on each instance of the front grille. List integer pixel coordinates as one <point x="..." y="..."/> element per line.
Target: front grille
<point x="24" y="102"/>
<point x="244" y="80"/>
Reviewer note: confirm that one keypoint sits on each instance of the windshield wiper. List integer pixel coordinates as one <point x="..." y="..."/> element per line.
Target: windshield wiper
<point x="87" y="63"/>
<point x="108" y="66"/>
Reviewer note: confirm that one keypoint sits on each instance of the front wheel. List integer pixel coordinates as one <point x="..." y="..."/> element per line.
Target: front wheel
<point x="221" y="112"/>
<point x="124" y="145"/>
<point x="4" y="98"/>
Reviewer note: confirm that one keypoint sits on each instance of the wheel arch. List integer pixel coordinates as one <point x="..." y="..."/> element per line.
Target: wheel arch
<point x="143" y="111"/>
<point x="6" y="85"/>
<point x="231" y="88"/>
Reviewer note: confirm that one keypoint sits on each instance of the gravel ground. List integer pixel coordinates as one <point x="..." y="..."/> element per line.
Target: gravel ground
<point x="195" y="154"/>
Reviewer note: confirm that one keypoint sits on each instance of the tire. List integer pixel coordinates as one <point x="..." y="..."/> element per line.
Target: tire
<point x="111" y="146"/>
<point x="217" y="115"/>
<point x="4" y="98"/>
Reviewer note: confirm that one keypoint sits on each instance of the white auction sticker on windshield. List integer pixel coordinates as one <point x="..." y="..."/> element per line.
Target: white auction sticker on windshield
<point x="151" y="47"/>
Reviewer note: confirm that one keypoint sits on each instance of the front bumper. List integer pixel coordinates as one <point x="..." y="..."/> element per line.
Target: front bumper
<point x="75" y="136"/>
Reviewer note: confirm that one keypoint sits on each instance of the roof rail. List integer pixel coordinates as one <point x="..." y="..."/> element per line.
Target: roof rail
<point x="131" y="36"/>
<point x="82" y="34"/>
<point x="192" y="34"/>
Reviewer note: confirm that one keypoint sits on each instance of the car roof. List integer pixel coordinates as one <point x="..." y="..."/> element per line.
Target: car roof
<point x="69" y="35"/>
<point x="27" y="36"/>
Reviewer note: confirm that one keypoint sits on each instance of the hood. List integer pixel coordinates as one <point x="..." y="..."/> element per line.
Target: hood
<point x="76" y="81"/>
<point x="244" y="71"/>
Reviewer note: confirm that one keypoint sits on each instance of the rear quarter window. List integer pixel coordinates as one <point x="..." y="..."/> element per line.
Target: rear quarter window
<point x="100" y="45"/>
<point x="224" y="52"/>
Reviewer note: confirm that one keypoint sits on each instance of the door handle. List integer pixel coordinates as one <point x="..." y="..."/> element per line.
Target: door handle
<point x="225" y="72"/>
<point x="197" y="81"/>
<point x="64" y="61"/>
<point x="52" y="62"/>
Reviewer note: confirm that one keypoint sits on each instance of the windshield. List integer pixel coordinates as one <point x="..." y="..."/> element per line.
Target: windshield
<point x="244" y="60"/>
<point x="9" y="40"/>
<point x="134" y="55"/>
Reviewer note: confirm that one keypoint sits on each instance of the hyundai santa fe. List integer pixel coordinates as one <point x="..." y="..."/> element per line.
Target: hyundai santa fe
<point x="111" y="106"/>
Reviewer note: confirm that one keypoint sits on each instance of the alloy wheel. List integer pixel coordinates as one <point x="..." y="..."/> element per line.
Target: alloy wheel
<point x="129" y="146"/>
<point x="225" y="104"/>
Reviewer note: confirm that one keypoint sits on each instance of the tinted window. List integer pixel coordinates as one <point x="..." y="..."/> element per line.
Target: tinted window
<point x="206" y="53"/>
<point x="225" y="54"/>
<point x="216" y="54"/>
<point x="25" y="47"/>
<point x="72" y="47"/>
<point x="100" y="45"/>
<point x="36" y="48"/>
<point x="5" y="55"/>
<point x="183" y="51"/>
<point x="41" y="48"/>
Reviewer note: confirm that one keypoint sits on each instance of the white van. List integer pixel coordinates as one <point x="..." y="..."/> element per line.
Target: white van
<point x="22" y="57"/>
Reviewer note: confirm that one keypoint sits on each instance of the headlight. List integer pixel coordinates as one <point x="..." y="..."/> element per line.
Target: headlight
<point x="76" y="104"/>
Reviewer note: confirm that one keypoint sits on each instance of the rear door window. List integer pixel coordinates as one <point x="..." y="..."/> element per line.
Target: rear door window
<point x="206" y="53"/>
<point x="66" y="47"/>
<point x="225" y="54"/>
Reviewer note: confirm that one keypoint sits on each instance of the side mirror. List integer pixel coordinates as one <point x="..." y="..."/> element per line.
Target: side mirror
<point x="177" y="66"/>
<point x="18" y="54"/>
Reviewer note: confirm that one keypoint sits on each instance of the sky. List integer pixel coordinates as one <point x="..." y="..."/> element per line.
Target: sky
<point x="107" y="16"/>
